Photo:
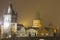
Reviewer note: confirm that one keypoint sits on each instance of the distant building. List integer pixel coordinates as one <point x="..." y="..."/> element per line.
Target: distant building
<point x="10" y="19"/>
<point x="32" y="31"/>
<point x="36" y="25"/>
<point x="21" y="31"/>
<point x="10" y="26"/>
<point x="37" y="21"/>
<point x="19" y="26"/>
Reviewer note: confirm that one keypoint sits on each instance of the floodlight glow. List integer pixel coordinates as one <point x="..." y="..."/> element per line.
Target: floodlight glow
<point x="42" y="34"/>
<point x="41" y="39"/>
<point x="46" y="33"/>
<point x="7" y="21"/>
<point x="6" y="25"/>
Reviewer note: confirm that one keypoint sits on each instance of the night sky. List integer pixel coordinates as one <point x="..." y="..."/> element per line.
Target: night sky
<point x="26" y="10"/>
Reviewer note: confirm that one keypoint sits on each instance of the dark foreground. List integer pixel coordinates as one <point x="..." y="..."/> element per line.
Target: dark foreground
<point x="32" y="38"/>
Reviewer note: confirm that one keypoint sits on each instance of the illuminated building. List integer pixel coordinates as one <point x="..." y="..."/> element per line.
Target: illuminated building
<point x="10" y="19"/>
<point x="10" y="26"/>
<point x="21" y="32"/>
<point x="37" y="21"/>
<point x="32" y="31"/>
<point x="53" y="27"/>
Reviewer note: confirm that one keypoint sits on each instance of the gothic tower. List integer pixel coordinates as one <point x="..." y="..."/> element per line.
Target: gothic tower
<point x="10" y="20"/>
<point x="37" y="21"/>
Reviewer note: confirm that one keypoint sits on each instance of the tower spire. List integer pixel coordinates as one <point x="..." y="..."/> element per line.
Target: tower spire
<point x="36" y="21"/>
<point x="10" y="9"/>
<point x="37" y="15"/>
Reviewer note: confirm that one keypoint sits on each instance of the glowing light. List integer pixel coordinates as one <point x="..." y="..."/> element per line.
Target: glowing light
<point x="9" y="36"/>
<point x="41" y="39"/>
<point x="42" y="34"/>
<point x="14" y="27"/>
<point x="6" y="25"/>
<point x="7" y="21"/>
<point x="37" y="23"/>
<point x="46" y="33"/>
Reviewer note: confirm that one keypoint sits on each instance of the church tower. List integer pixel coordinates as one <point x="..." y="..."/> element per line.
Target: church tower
<point x="10" y="20"/>
<point x="37" y="21"/>
<point x="12" y="13"/>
